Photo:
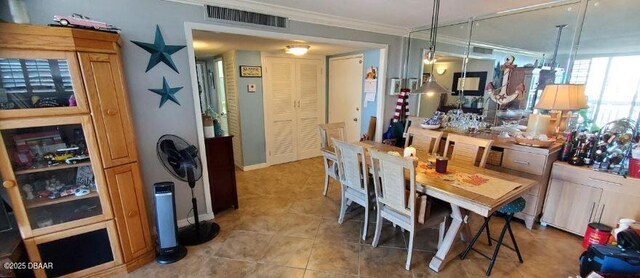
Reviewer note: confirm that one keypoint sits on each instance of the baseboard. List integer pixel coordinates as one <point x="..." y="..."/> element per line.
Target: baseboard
<point x="140" y="261"/>
<point x="254" y="166"/>
<point x="186" y="221"/>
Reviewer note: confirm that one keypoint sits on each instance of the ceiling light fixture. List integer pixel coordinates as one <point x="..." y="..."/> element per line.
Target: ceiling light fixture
<point x="297" y="49"/>
<point x="432" y="87"/>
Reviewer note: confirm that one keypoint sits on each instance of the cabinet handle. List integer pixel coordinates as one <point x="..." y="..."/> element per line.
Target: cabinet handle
<point x="604" y="181"/>
<point x="111" y="111"/>
<point x="521" y="162"/>
<point x="591" y="213"/>
<point x="9" y="184"/>
<point x="132" y="213"/>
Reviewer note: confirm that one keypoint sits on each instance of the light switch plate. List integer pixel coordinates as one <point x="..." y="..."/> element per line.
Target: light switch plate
<point x="251" y="88"/>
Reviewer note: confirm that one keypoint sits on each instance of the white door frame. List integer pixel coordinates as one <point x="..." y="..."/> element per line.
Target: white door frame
<point x="190" y="26"/>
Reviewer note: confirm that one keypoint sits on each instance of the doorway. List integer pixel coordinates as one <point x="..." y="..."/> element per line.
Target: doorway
<point x="345" y="94"/>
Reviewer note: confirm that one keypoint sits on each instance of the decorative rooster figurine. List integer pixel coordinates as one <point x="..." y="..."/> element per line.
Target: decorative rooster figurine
<point x="500" y="94"/>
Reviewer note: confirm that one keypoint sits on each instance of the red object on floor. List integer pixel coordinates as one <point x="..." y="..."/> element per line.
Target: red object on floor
<point x="597" y="233"/>
<point x="634" y="168"/>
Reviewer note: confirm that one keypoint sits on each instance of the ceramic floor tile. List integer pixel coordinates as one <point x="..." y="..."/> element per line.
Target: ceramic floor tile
<point x="319" y="274"/>
<point x="288" y="251"/>
<point x="299" y="225"/>
<point x="275" y="271"/>
<point x="335" y="257"/>
<point x="348" y="231"/>
<point x="244" y="245"/>
<point x="383" y="262"/>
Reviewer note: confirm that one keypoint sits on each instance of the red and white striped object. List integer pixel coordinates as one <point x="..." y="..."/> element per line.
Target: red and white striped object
<point x="402" y="106"/>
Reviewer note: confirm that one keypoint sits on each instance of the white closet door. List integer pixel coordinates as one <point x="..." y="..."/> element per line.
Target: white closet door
<point x="309" y="107"/>
<point x="281" y="101"/>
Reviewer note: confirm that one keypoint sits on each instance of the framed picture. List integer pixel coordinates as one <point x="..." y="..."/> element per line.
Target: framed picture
<point x="473" y="86"/>
<point x="394" y="86"/>
<point x="413" y="84"/>
<point x="250" y="71"/>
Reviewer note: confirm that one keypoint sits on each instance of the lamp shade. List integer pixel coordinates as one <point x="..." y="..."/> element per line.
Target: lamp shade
<point x="563" y="97"/>
<point x="430" y="87"/>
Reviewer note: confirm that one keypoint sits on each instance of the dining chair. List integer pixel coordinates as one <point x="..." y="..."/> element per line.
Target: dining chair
<point x="396" y="204"/>
<point x="411" y="120"/>
<point x="327" y="133"/>
<point x="425" y="141"/>
<point x="466" y="149"/>
<point x="354" y="178"/>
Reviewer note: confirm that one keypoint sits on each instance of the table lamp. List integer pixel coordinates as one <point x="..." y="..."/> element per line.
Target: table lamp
<point x="562" y="98"/>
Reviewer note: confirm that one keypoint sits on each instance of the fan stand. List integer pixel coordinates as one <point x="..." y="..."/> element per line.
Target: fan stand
<point x="196" y="233"/>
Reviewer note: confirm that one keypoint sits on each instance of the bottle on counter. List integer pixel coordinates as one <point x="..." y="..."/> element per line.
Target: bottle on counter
<point x="565" y="154"/>
<point x="589" y="152"/>
<point x="577" y="157"/>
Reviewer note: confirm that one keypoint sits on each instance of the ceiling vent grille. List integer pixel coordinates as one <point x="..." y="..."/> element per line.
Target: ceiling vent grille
<point x="240" y="16"/>
<point x="482" y="50"/>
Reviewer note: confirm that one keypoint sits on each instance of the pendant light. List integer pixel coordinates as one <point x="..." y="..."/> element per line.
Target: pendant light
<point x="432" y="87"/>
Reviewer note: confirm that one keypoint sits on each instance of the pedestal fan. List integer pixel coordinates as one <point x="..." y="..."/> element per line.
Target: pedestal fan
<point x="181" y="160"/>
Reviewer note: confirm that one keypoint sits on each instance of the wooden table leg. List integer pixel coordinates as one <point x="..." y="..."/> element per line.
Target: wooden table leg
<point x="457" y="226"/>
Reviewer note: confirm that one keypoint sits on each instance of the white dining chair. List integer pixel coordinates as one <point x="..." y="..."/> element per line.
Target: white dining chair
<point x="425" y="141"/>
<point x="411" y="121"/>
<point x="396" y="204"/>
<point x="354" y="178"/>
<point x="327" y="133"/>
<point x="465" y="149"/>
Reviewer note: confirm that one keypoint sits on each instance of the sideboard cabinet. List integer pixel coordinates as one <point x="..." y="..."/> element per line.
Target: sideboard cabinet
<point x="577" y="196"/>
<point x="67" y="151"/>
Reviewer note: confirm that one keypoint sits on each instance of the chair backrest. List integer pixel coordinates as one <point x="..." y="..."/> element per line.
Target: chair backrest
<point x="425" y="141"/>
<point x="352" y="166"/>
<point x="411" y="121"/>
<point x="466" y="149"/>
<point x="390" y="180"/>
<point x="331" y="131"/>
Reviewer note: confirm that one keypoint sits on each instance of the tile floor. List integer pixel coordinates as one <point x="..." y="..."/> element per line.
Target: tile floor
<point x="286" y="228"/>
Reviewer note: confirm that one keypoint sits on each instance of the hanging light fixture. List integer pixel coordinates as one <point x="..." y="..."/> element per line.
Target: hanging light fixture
<point x="297" y="49"/>
<point x="432" y="87"/>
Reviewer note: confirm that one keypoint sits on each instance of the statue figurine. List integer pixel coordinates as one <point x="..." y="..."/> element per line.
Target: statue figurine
<point x="28" y="191"/>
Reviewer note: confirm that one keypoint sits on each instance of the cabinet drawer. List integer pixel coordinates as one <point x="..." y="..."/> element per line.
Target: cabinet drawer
<point x="523" y="161"/>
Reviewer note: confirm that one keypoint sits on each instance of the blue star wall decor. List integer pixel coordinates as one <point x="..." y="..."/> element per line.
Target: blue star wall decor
<point x="166" y="92"/>
<point x="160" y="52"/>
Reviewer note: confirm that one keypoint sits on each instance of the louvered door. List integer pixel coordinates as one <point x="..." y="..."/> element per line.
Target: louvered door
<point x="281" y="104"/>
<point x="309" y="106"/>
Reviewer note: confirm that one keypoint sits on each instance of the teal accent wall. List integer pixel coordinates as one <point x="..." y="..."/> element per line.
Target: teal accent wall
<point x="369" y="58"/>
<point x="251" y="111"/>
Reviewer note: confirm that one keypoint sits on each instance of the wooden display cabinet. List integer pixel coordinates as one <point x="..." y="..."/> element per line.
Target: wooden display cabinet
<point x="68" y="153"/>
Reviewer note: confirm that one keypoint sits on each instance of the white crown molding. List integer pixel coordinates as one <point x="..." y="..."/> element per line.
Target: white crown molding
<point x="304" y="16"/>
<point x="463" y="43"/>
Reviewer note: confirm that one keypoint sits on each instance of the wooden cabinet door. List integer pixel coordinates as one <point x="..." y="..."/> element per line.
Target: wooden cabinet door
<point x="108" y="101"/>
<point x="125" y="189"/>
<point x="570" y="206"/>
<point x="616" y="205"/>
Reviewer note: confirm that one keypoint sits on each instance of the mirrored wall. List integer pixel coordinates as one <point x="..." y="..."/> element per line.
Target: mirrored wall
<point x="536" y="46"/>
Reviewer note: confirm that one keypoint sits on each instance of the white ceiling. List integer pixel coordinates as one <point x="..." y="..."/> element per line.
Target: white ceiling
<point x="403" y="13"/>
<point x="209" y="44"/>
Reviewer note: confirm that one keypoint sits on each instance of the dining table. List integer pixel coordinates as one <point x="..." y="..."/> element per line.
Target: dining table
<point x="462" y="201"/>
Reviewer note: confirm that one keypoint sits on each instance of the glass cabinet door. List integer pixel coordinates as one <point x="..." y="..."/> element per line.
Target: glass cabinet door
<point x="55" y="172"/>
<point x="44" y="82"/>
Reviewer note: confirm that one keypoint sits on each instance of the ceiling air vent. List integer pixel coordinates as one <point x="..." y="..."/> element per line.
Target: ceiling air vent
<point x="482" y="50"/>
<point x="226" y="14"/>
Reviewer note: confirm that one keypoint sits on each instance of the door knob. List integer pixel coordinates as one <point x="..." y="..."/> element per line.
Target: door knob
<point x="357" y="108"/>
<point x="355" y="119"/>
<point x="9" y="184"/>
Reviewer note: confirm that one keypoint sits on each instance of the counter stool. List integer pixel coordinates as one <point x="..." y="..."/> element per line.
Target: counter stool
<point x="509" y="210"/>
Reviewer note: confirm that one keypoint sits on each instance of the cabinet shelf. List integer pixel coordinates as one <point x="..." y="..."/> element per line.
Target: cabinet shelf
<point x="52" y="168"/>
<point x="46" y="201"/>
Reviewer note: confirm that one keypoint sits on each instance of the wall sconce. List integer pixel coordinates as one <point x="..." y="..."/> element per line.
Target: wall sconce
<point x="441" y="71"/>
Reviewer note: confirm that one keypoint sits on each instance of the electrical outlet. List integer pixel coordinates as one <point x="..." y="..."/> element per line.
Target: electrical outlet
<point x="251" y="88"/>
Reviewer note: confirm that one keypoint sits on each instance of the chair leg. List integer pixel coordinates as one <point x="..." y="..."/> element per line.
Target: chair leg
<point x="513" y="239"/>
<point x="441" y="231"/>
<point x="488" y="234"/>
<point x="475" y="238"/>
<point x="409" y="250"/>
<point x="376" y="235"/>
<point x="366" y="223"/>
<point x="343" y="207"/>
<point x="326" y="184"/>
<point x="498" y="244"/>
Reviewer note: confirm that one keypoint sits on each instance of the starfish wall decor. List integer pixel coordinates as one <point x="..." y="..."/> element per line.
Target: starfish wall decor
<point x="166" y="92"/>
<point x="160" y="52"/>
